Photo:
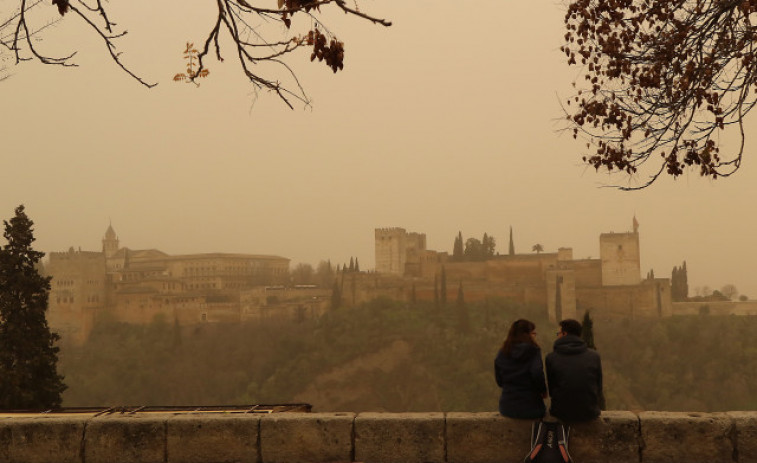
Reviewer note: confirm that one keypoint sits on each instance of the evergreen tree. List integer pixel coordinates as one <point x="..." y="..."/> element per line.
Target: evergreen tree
<point x="488" y="244"/>
<point x="473" y="250"/>
<point x="587" y="334"/>
<point x="357" y="265"/>
<point x="436" y="291"/>
<point x="28" y="355"/>
<point x="336" y="296"/>
<point x="444" y="287"/>
<point x="684" y="282"/>
<point x="511" y="249"/>
<point x="587" y="331"/>
<point x="352" y="265"/>
<point x="463" y="321"/>
<point x="457" y="248"/>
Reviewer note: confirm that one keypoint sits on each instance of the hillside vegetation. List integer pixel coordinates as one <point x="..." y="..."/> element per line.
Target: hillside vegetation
<point x="393" y="356"/>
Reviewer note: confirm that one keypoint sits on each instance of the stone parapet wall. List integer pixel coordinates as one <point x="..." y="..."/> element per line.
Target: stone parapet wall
<point x="617" y="437"/>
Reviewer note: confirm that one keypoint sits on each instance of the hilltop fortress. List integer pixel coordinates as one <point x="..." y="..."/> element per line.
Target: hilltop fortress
<point x="610" y="286"/>
<point x="136" y="286"/>
<point x="139" y="286"/>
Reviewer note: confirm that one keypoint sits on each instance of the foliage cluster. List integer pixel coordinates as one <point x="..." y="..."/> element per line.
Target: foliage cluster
<point x="474" y="249"/>
<point x="678" y="364"/>
<point x="679" y="283"/>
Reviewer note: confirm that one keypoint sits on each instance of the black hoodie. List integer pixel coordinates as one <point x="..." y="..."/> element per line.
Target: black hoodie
<point x="574" y="374"/>
<point x="521" y="377"/>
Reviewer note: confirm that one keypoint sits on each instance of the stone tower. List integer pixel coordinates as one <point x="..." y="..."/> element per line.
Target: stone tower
<point x="110" y="242"/>
<point x="390" y="250"/>
<point x="621" y="261"/>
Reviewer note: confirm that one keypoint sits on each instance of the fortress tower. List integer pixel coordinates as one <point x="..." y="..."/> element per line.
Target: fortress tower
<point x="110" y="242"/>
<point x="621" y="261"/>
<point x="396" y="248"/>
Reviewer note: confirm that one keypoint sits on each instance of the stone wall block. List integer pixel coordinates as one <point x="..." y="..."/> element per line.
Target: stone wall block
<point x="306" y="437"/>
<point x="486" y="438"/>
<point x="697" y="437"/>
<point x="213" y="438"/>
<point x="744" y="435"/>
<point x="5" y="439"/>
<point x="126" y="439"/>
<point x="43" y="439"/>
<point x="615" y="436"/>
<point x="400" y="438"/>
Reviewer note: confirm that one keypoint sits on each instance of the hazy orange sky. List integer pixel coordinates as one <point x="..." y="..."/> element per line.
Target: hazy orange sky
<point x="447" y="121"/>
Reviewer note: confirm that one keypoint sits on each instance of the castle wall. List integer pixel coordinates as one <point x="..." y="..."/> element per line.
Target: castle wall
<point x="291" y="304"/>
<point x="561" y="294"/>
<point x="588" y="272"/>
<point x="715" y="308"/>
<point x="649" y="299"/>
<point x="621" y="263"/>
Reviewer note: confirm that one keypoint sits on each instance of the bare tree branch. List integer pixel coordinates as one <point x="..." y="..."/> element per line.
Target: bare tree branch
<point x="233" y="18"/>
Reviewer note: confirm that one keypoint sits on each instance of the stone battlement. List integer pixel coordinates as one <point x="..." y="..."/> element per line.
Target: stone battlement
<point x="617" y="437"/>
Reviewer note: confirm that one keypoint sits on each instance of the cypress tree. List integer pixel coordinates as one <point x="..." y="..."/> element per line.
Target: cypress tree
<point x="436" y="291"/>
<point x="512" y="245"/>
<point x="457" y="249"/>
<point x="444" y="287"/>
<point x="28" y="355"/>
<point x="357" y="265"/>
<point x="336" y="296"/>
<point x="463" y="322"/>
<point x="587" y="331"/>
<point x="352" y="265"/>
<point x="587" y="334"/>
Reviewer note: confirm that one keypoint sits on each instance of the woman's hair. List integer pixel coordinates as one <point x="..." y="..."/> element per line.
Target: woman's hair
<point x="520" y="331"/>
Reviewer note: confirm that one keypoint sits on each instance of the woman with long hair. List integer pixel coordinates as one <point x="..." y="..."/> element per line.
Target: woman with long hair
<point x="519" y="372"/>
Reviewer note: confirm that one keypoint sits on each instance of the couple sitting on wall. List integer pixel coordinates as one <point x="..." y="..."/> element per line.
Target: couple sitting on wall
<point x="574" y="375"/>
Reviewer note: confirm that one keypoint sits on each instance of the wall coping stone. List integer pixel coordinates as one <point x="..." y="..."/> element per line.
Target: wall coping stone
<point x="453" y="437"/>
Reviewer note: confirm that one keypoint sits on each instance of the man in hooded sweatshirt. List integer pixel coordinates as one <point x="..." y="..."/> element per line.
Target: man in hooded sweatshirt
<point x="574" y="375"/>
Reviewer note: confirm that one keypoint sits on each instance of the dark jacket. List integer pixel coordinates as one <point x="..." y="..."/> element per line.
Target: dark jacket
<point x="574" y="374"/>
<point x="521" y="377"/>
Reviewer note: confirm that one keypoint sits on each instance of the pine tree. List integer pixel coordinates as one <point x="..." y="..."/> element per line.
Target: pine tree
<point x="28" y="355"/>
<point x="684" y="282"/>
<point x="444" y="287"/>
<point x="357" y="265"/>
<point x="511" y="249"/>
<point x="352" y="265"/>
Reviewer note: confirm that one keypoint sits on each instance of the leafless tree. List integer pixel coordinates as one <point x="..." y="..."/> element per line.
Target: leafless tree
<point x="662" y="82"/>
<point x="244" y="21"/>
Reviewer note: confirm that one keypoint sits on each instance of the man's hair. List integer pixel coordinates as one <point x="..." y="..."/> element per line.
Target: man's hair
<point x="571" y="326"/>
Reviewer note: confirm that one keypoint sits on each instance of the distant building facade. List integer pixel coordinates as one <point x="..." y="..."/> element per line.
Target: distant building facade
<point x="610" y="286"/>
<point x="136" y="286"/>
